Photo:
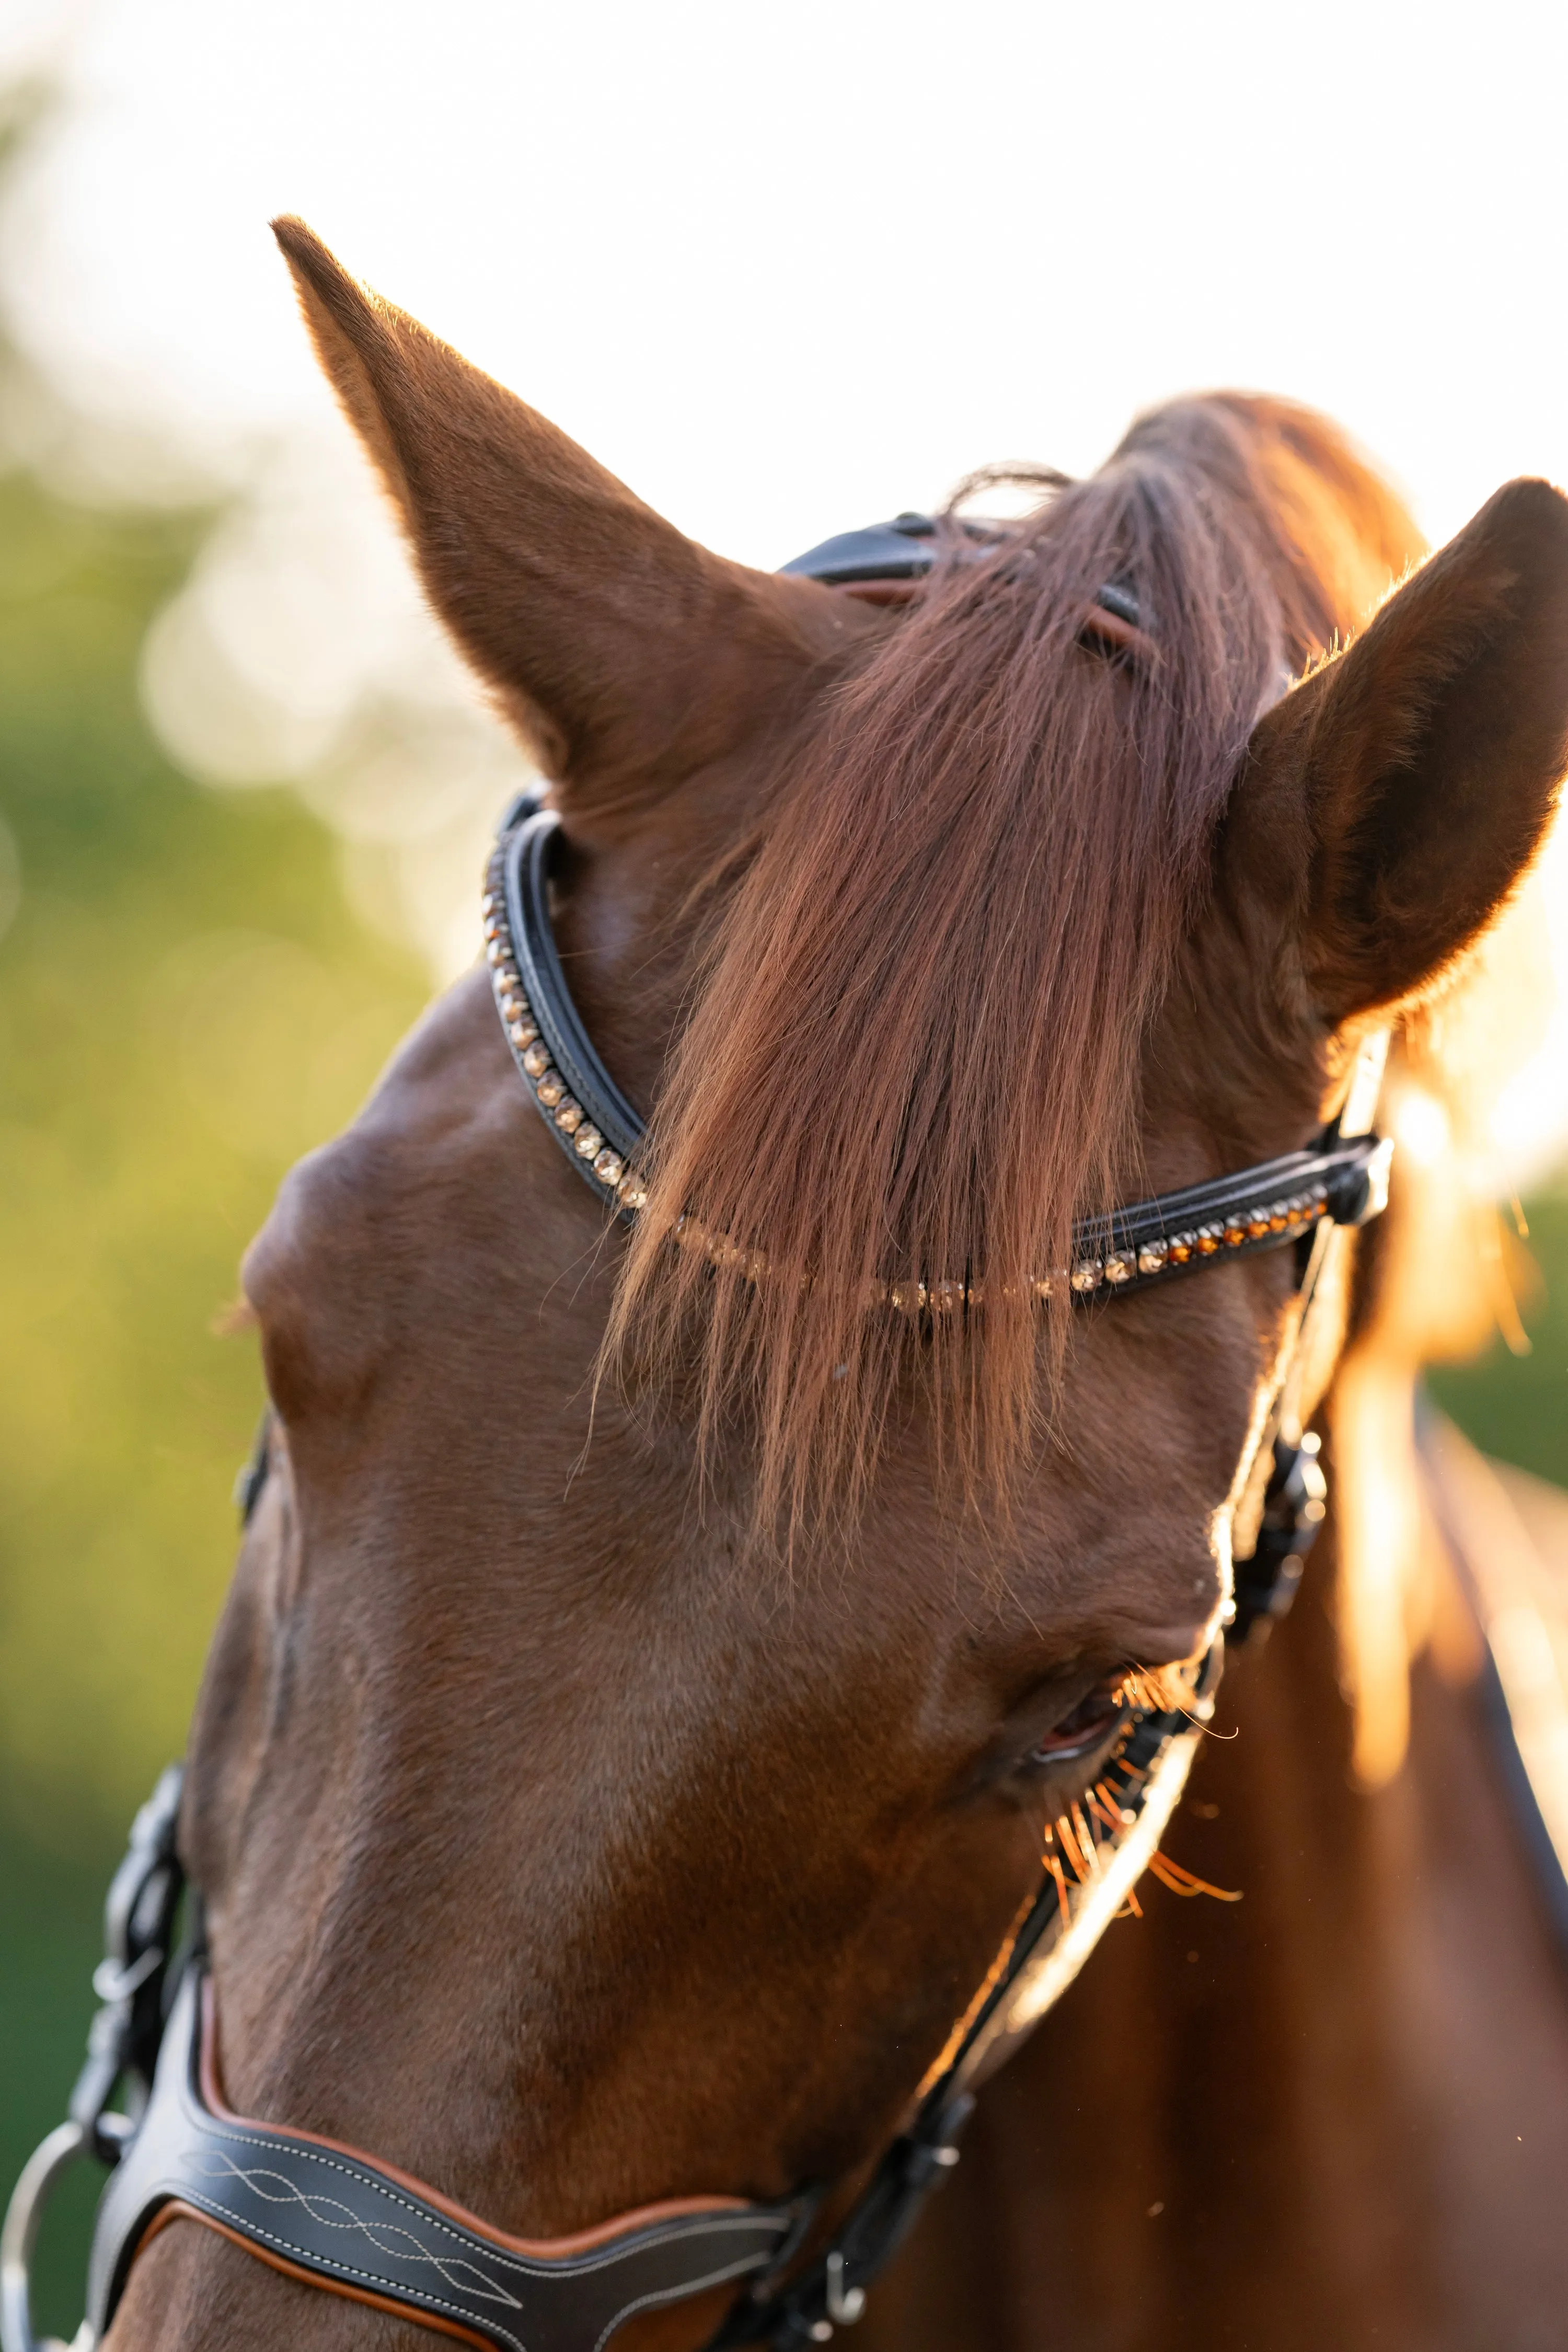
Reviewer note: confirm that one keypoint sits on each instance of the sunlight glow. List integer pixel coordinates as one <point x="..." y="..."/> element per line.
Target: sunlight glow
<point x="1421" y="1127"/>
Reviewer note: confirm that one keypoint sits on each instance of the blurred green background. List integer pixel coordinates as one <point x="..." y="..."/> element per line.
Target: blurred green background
<point x="186" y="1003"/>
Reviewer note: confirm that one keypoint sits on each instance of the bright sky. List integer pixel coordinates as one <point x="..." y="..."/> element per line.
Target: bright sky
<point x="790" y="268"/>
<point x="784" y="268"/>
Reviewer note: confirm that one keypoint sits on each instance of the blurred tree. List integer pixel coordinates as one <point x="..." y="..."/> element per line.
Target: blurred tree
<point x="184" y="1007"/>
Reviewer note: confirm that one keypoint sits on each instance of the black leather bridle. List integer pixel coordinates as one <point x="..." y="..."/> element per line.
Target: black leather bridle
<point x="325" y="2213"/>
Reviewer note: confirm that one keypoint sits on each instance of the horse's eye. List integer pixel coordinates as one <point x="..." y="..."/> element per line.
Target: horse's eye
<point x="1089" y="1726"/>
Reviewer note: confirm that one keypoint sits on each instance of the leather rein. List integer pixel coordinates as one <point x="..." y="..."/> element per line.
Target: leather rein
<point x="325" y="2213"/>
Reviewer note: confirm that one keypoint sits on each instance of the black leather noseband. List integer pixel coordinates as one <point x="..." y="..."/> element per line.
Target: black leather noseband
<point x="324" y="2212"/>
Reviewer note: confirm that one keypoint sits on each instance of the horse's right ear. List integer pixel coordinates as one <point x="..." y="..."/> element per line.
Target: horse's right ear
<point x="627" y="654"/>
<point x="1410" y="782"/>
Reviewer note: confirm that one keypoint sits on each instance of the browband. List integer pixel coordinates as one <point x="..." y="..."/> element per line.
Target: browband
<point x="1339" y="1181"/>
<point x="601" y="1142"/>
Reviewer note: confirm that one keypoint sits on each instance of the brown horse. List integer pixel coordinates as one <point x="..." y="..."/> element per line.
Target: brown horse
<point x="645" y="1682"/>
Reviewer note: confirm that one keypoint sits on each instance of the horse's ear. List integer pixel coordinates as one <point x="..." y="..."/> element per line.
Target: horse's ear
<point x="627" y="654"/>
<point x="1415" y="775"/>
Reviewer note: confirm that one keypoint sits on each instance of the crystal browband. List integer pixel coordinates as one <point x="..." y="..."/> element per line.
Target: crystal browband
<point x="1338" y="1182"/>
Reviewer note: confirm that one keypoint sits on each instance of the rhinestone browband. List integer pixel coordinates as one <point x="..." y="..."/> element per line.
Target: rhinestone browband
<point x="1342" y="1181"/>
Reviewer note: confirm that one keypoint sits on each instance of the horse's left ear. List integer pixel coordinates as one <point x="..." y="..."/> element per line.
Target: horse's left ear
<point x="1414" y="777"/>
<point x="627" y="654"/>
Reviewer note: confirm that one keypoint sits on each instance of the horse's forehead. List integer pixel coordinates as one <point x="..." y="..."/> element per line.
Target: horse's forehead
<point x="432" y="1277"/>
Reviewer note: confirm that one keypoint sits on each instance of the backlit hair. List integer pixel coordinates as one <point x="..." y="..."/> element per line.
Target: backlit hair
<point x="916" y="1046"/>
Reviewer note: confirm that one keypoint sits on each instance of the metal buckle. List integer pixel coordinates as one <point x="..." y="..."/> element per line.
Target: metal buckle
<point x="24" y="2215"/>
<point x="1294" y="1509"/>
<point x="845" y="2303"/>
<point x="122" y="2045"/>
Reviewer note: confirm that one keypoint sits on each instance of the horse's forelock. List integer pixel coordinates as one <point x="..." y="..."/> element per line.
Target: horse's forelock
<point x="916" y="1051"/>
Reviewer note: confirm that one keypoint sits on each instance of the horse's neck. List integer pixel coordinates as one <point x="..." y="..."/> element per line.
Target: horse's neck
<point x="1335" y="2113"/>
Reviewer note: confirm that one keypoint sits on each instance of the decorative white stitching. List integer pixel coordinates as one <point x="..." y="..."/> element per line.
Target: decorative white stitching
<point x="562" y="2267"/>
<point x="370" y="2278"/>
<point x="323" y="2210"/>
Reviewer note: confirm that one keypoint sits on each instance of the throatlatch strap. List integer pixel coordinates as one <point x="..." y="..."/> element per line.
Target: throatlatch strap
<point x="327" y="2214"/>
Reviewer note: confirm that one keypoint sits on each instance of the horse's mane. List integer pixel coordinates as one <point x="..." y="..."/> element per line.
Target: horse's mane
<point x="916" y="1046"/>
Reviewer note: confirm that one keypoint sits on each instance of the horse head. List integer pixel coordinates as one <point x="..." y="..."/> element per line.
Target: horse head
<point x="651" y="1672"/>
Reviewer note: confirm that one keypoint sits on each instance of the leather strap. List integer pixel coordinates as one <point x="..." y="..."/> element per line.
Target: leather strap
<point x="1263" y="1207"/>
<point x="529" y="855"/>
<point x="885" y="563"/>
<point x="601" y="1134"/>
<point x="325" y="2213"/>
<point x="904" y="549"/>
<point x="1048" y="1946"/>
